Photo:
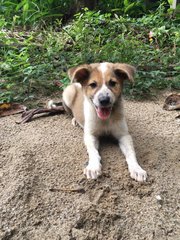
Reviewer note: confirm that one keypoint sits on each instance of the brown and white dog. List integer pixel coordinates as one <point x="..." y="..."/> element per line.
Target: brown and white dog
<point x="95" y="100"/>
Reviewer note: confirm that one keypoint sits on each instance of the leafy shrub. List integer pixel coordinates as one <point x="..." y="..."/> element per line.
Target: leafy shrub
<point x="35" y="62"/>
<point x="97" y="37"/>
<point x="131" y="7"/>
<point x="28" y="12"/>
<point x="33" y="12"/>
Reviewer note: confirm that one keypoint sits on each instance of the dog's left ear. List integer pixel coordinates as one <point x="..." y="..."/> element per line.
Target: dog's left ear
<point x="124" y="71"/>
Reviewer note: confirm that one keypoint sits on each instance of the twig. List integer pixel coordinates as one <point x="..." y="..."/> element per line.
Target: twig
<point x="78" y="190"/>
<point x="28" y="115"/>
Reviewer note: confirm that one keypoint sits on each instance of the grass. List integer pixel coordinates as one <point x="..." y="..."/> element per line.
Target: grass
<point x="35" y="62"/>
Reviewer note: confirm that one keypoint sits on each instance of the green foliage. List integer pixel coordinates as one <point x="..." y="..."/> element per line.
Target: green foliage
<point x="97" y="37"/>
<point x="35" y="62"/>
<point x="33" y="12"/>
<point x="28" y="64"/>
<point x="131" y="7"/>
<point x="28" y="12"/>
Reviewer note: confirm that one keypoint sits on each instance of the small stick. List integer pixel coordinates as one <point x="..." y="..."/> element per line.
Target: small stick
<point x="27" y="115"/>
<point x="78" y="190"/>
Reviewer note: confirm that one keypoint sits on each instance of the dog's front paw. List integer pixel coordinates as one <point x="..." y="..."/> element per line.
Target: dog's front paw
<point x="138" y="173"/>
<point x="93" y="170"/>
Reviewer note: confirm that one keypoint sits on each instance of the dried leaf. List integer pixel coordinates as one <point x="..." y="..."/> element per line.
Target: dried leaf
<point x="4" y="106"/>
<point x="7" y="109"/>
<point x="172" y="102"/>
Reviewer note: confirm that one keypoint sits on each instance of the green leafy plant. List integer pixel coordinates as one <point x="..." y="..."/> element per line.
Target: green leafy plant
<point x="29" y="12"/>
<point x="35" y="63"/>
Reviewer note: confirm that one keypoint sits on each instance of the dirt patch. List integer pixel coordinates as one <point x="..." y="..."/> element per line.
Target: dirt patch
<point x="41" y="163"/>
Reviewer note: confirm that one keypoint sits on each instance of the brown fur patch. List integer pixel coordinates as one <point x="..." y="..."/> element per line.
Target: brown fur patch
<point x="97" y="77"/>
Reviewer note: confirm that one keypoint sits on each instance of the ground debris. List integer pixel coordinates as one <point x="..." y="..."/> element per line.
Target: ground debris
<point x="172" y="102"/>
<point x="28" y="115"/>
<point x="78" y="190"/>
<point x="7" y="109"/>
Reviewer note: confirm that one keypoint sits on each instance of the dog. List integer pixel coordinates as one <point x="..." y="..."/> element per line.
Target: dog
<point x="94" y="97"/>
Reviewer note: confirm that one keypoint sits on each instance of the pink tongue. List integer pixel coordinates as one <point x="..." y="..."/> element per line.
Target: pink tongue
<point x="103" y="113"/>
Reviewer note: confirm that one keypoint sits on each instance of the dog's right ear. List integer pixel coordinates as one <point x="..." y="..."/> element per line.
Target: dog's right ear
<point x="79" y="74"/>
<point x="124" y="71"/>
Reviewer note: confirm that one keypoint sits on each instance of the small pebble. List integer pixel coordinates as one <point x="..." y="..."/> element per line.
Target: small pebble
<point x="158" y="197"/>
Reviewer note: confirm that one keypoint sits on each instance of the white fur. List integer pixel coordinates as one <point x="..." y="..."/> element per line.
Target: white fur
<point x="93" y="169"/>
<point x="51" y="104"/>
<point x="69" y="92"/>
<point x="105" y="91"/>
<point x="94" y="128"/>
<point x="126" y="145"/>
<point x="103" y="68"/>
<point x="78" y="85"/>
<point x="73" y="121"/>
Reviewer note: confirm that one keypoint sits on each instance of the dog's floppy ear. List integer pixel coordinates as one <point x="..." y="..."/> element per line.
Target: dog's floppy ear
<point x="124" y="71"/>
<point x="80" y="73"/>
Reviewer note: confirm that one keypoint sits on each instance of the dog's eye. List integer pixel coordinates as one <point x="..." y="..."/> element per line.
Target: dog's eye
<point x="112" y="83"/>
<point x="93" y="85"/>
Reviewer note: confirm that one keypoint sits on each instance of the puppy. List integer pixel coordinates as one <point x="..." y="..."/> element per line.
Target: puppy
<point x="95" y="100"/>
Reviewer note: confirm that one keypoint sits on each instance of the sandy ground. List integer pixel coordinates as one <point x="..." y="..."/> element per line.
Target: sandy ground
<point x="44" y="195"/>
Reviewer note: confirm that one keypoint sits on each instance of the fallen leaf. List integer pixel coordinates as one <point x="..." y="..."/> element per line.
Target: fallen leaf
<point x="172" y="102"/>
<point x="4" y="106"/>
<point x="7" y="109"/>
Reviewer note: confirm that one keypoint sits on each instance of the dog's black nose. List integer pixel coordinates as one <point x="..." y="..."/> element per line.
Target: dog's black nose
<point x="104" y="100"/>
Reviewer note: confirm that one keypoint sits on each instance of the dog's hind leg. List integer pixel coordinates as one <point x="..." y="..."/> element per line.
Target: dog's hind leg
<point x="73" y="102"/>
<point x="68" y="96"/>
<point x="73" y="121"/>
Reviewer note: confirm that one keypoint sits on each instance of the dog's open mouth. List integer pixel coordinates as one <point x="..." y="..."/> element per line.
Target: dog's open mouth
<point x="103" y="112"/>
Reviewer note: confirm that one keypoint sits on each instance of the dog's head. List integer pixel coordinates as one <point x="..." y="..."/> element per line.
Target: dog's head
<point x="102" y="83"/>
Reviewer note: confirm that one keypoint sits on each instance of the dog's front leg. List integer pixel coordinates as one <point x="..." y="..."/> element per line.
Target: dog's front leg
<point x="136" y="172"/>
<point x="93" y="169"/>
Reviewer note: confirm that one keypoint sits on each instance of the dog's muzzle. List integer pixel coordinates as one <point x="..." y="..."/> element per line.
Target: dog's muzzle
<point x="103" y="109"/>
<point x="104" y="101"/>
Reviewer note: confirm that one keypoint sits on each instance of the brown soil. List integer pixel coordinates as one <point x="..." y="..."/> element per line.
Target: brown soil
<point x="44" y="195"/>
